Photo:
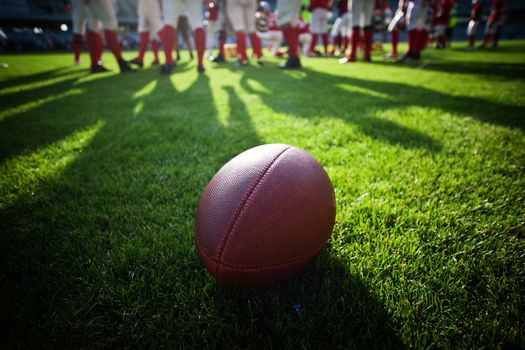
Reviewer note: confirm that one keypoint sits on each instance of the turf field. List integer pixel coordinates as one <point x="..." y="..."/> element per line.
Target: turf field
<point x="100" y="177"/>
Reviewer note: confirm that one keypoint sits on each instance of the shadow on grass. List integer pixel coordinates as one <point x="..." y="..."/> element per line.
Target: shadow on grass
<point x="103" y="255"/>
<point x="355" y="100"/>
<point x="323" y="307"/>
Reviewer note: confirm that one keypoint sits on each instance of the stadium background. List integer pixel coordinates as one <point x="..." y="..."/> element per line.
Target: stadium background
<point x="28" y="25"/>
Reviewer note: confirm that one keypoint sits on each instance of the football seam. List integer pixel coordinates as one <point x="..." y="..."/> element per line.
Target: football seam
<point x="240" y="209"/>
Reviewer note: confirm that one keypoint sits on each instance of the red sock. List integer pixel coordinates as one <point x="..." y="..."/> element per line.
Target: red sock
<point x="422" y="37"/>
<point x="256" y="45"/>
<point x="143" y="45"/>
<point x="200" y="43"/>
<point x="344" y="43"/>
<point x="354" y="42"/>
<point x="92" y="43"/>
<point x="291" y="35"/>
<point x="314" y="41"/>
<point x="240" y="38"/>
<point x="324" y="38"/>
<point x="412" y="35"/>
<point x="442" y="40"/>
<point x="167" y="36"/>
<point x="334" y="42"/>
<point x="369" y="33"/>
<point x="395" y="41"/>
<point x="222" y="41"/>
<point x="113" y="44"/>
<point x="155" y="49"/>
<point x="471" y="40"/>
<point x="77" y="46"/>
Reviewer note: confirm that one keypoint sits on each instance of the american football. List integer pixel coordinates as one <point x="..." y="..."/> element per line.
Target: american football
<point x="265" y="215"/>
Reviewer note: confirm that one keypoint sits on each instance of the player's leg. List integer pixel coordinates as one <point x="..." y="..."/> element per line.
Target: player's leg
<point x="79" y="28"/>
<point x="323" y="23"/>
<point x="357" y="8"/>
<point x="211" y="28"/>
<point x="249" y="13"/>
<point x="315" y="28"/>
<point x="155" y="50"/>
<point x="168" y="33"/>
<point x="335" y="33"/>
<point x="235" y="11"/>
<point x="368" y="8"/>
<point x="412" y="16"/>
<point x="144" y="32"/>
<point x="305" y="40"/>
<point x="287" y="15"/>
<point x="199" y="35"/>
<point x="471" y="33"/>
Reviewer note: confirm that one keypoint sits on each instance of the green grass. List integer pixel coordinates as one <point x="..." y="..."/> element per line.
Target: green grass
<point x="100" y="177"/>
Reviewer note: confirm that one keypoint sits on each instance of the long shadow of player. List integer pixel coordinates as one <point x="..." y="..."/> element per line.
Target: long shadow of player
<point x="356" y="100"/>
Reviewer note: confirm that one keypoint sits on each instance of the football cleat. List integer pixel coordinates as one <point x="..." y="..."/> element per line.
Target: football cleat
<point x="125" y="67"/>
<point x="218" y="59"/>
<point x="291" y="63"/>
<point x="98" y="68"/>
<point x="136" y="61"/>
<point x="167" y="68"/>
<point x="200" y="69"/>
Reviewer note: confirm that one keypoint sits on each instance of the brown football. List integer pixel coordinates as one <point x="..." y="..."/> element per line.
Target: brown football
<point x="264" y="216"/>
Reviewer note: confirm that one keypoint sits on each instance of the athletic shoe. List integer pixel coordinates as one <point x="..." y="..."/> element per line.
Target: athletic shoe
<point x="167" y="68"/>
<point x="125" y="67"/>
<point x="260" y="62"/>
<point x="98" y="68"/>
<point x="155" y="63"/>
<point x="346" y="59"/>
<point x="218" y="59"/>
<point x="200" y="69"/>
<point x="291" y="63"/>
<point x="137" y="62"/>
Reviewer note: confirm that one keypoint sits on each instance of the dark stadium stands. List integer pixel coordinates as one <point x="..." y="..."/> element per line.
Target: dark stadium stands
<point x="39" y="24"/>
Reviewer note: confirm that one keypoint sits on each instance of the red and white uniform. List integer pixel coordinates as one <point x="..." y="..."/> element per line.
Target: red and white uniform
<point x="212" y="17"/>
<point x="319" y="20"/>
<point x="416" y="14"/>
<point x="287" y="11"/>
<point x="305" y="36"/>
<point x="496" y="11"/>
<point x="343" y="24"/>
<point x="274" y="35"/>
<point x="475" y="17"/>
<point x="443" y="15"/>
<point x="81" y="17"/>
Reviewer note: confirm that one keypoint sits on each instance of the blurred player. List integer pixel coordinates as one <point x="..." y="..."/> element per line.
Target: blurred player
<point x="441" y="21"/>
<point x="361" y="22"/>
<point x="341" y="28"/>
<point x="287" y="11"/>
<point x="212" y="17"/>
<point x="494" y="24"/>
<point x="473" y="24"/>
<point x="319" y="23"/>
<point x="395" y="25"/>
<point x="79" y="28"/>
<point x="184" y="30"/>
<point x="382" y="15"/>
<point x="416" y="26"/>
<point x="172" y="9"/>
<point x="150" y="21"/>
<point x="268" y="29"/>
<point x="242" y="16"/>
<point x="105" y="12"/>
<point x="305" y="37"/>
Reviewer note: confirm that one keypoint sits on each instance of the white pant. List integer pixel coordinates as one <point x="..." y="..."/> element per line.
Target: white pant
<point x="342" y="25"/>
<point x="287" y="11"/>
<point x="242" y="14"/>
<point x="416" y="15"/>
<point x="305" y="40"/>
<point x="319" y="21"/>
<point x="104" y="11"/>
<point x="472" y="28"/>
<point x="172" y="9"/>
<point x="149" y="16"/>
<point x="399" y="17"/>
<point x="274" y="38"/>
<point x="361" y="12"/>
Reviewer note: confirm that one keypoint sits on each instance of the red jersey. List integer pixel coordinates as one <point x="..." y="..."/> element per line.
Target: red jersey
<point x="496" y="11"/>
<point x="477" y="10"/>
<point x="443" y="13"/>
<point x="301" y="26"/>
<point x="323" y="4"/>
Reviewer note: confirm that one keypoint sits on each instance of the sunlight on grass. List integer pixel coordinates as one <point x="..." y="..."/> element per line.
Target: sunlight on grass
<point x="362" y="90"/>
<point x="41" y="83"/>
<point x="38" y="103"/>
<point x="146" y="90"/>
<point x="23" y="174"/>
